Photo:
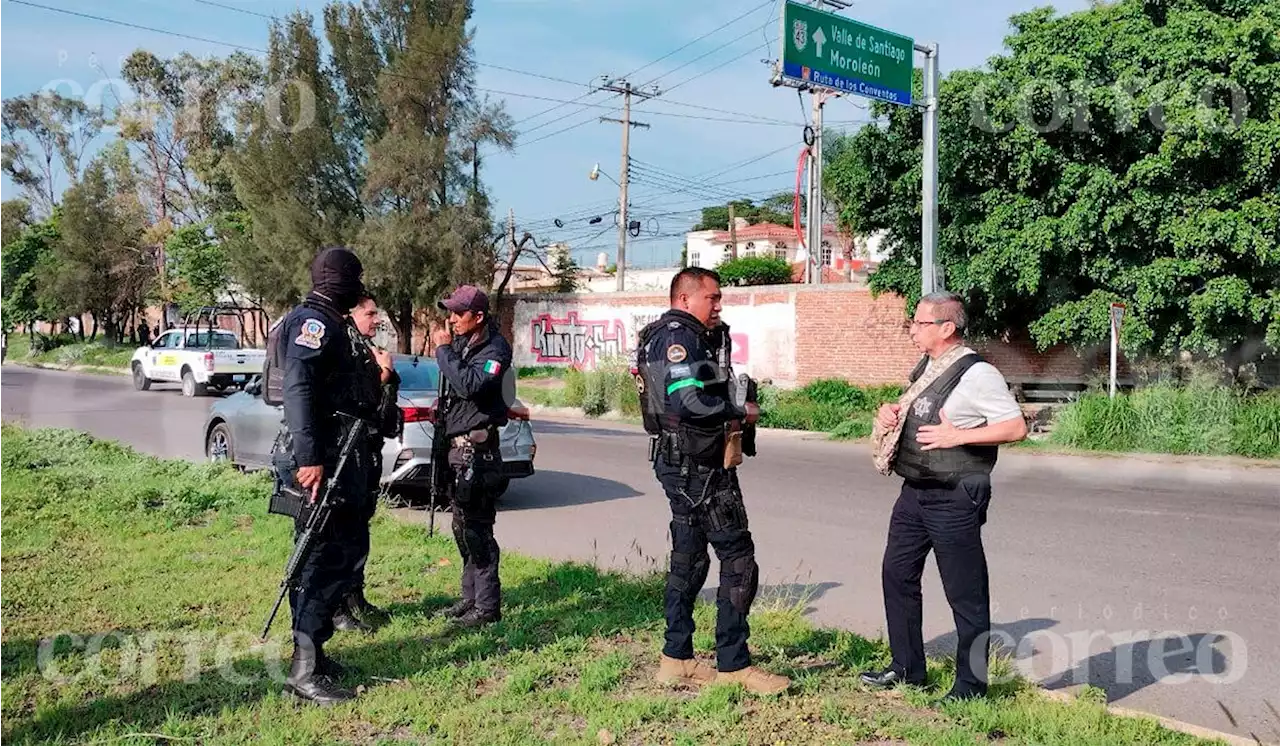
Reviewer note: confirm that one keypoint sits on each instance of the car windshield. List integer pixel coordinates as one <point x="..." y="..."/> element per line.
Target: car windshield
<point x="418" y="374"/>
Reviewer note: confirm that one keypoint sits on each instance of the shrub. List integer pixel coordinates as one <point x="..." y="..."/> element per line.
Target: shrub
<point x="575" y="387"/>
<point x="754" y="270"/>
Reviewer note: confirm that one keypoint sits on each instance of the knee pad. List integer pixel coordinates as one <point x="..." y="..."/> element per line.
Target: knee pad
<point x="743" y="578"/>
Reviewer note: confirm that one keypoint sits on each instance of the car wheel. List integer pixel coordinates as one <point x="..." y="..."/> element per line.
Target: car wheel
<point x="140" y="380"/>
<point x="218" y="446"/>
<point x="189" y="385"/>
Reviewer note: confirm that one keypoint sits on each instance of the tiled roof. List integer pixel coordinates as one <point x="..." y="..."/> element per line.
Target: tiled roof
<point x="772" y="232"/>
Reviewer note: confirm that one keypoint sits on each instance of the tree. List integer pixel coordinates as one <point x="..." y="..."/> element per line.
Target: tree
<point x="198" y="265"/>
<point x="27" y="249"/>
<point x="776" y="209"/>
<point x="61" y="129"/>
<point x="15" y="217"/>
<point x="178" y="123"/>
<point x="407" y="75"/>
<point x="291" y="171"/>
<point x="755" y="270"/>
<point x="1129" y="152"/>
<point x="100" y="264"/>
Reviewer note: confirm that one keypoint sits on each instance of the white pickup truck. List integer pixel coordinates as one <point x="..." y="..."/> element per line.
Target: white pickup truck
<point x="200" y="358"/>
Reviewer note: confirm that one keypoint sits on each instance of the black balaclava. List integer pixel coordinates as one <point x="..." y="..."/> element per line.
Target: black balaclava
<point x="335" y="274"/>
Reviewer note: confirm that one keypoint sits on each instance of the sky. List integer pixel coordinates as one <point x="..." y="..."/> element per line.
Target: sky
<point x="707" y="140"/>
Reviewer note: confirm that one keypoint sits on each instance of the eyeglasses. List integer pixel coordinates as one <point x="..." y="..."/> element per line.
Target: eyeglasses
<point x="914" y="322"/>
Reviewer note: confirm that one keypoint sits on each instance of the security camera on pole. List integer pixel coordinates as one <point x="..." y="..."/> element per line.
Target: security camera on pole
<point x="826" y="53"/>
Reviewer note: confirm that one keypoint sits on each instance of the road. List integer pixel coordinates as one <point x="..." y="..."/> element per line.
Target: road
<point x="1154" y="579"/>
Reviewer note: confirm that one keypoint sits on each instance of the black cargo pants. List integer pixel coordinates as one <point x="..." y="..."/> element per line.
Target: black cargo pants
<point x="328" y="572"/>
<point x="707" y="508"/>
<point x="475" y="470"/>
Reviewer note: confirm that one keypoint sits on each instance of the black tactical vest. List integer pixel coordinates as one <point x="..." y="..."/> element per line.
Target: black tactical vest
<point x="649" y="370"/>
<point x="946" y="465"/>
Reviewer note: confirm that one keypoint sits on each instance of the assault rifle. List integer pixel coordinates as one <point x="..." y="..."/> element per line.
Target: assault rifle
<point x="439" y="452"/>
<point x="318" y="518"/>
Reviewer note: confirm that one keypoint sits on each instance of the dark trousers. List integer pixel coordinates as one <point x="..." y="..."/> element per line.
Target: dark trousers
<point x="473" y="502"/>
<point x="374" y="477"/>
<point x="949" y="521"/>
<point x="707" y="508"/>
<point x="327" y="577"/>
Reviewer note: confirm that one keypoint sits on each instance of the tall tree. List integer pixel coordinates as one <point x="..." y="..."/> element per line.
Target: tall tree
<point x="292" y="172"/>
<point x="100" y="265"/>
<point x="1129" y="152"/>
<point x="179" y="124"/>
<point x="60" y="128"/>
<point x="408" y="91"/>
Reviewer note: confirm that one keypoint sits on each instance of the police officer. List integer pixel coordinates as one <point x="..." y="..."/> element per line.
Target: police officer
<point x="476" y="362"/>
<point x="355" y="612"/>
<point x="685" y="397"/>
<point x="323" y="376"/>
<point x="942" y="437"/>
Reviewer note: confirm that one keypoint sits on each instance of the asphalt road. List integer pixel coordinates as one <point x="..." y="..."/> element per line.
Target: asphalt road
<point x="1157" y="579"/>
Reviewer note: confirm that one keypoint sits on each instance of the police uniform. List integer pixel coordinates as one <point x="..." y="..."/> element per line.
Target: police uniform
<point x="355" y="612"/>
<point x="481" y="385"/>
<point x="322" y="376"/>
<point x="685" y="400"/>
<point x="942" y="507"/>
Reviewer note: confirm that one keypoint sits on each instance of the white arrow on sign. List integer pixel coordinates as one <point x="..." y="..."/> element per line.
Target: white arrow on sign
<point x="819" y="39"/>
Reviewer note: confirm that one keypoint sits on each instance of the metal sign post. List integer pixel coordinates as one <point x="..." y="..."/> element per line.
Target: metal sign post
<point x="1117" y="316"/>
<point x="823" y="51"/>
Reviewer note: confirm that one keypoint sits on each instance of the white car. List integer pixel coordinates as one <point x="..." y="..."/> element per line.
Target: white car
<point x="199" y="358"/>
<point x="242" y="429"/>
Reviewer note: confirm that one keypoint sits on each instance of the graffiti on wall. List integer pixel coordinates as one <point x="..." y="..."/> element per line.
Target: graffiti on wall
<point x="574" y="341"/>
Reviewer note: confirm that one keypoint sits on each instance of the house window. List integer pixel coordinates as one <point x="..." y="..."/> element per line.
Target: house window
<point x="695" y="259"/>
<point x="826" y="253"/>
<point x="751" y="249"/>
<point x="780" y="250"/>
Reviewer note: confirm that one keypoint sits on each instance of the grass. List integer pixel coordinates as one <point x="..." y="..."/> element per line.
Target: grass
<point x="136" y="589"/>
<point x="98" y="356"/>
<point x="1183" y="420"/>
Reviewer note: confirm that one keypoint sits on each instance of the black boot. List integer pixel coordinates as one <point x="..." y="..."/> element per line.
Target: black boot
<point x="370" y="614"/>
<point x="459" y="609"/>
<point x="331" y="668"/>
<point x="344" y="620"/>
<point x="308" y="683"/>
<point x="478" y="618"/>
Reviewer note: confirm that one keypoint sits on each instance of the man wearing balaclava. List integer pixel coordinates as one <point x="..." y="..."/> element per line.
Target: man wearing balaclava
<point x="324" y="374"/>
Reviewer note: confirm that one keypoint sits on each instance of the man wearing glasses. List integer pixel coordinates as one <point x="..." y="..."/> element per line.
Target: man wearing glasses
<point x="942" y="438"/>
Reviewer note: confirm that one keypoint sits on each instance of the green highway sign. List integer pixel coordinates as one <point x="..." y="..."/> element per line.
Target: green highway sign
<point x="826" y="50"/>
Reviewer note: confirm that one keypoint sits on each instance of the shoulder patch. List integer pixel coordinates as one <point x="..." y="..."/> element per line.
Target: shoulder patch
<point x="492" y="367"/>
<point x="673" y="324"/>
<point x="680" y="371"/>
<point x="311" y="335"/>
<point x="676" y="353"/>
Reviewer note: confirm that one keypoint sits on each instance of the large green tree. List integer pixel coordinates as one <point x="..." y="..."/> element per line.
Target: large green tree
<point x="407" y="89"/>
<point x="45" y="136"/>
<point x="1129" y="152"/>
<point x="27" y="246"/>
<point x="775" y="209"/>
<point x="292" y="170"/>
<point x="100" y="264"/>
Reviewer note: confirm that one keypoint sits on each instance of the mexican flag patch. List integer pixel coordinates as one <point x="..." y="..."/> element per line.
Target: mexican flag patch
<point x="492" y="367"/>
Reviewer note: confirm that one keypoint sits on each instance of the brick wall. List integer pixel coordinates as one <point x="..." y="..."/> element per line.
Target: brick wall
<point x="792" y="334"/>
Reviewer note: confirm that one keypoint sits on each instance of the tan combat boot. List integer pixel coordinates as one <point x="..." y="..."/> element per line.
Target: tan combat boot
<point x="755" y="680"/>
<point x="688" y="672"/>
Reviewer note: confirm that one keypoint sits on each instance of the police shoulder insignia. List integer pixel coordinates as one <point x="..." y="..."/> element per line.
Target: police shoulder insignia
<point x="676" y="353"/>
<point x="311" y="335"/>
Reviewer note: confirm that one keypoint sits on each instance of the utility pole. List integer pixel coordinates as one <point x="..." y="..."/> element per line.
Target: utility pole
<point x="733" y="234"/>
<point x="813" y="265"/>
<point x="929" y="185"/>
<point x="624" y="87"/>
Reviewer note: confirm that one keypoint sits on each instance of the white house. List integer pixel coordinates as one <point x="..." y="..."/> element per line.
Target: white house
<point x="839" y="250"/>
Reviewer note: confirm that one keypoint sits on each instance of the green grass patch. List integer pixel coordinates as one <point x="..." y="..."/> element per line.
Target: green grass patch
<point x="136" y="588"/>
<point x="63" y="351"/>
<point x="1183" y="420"/>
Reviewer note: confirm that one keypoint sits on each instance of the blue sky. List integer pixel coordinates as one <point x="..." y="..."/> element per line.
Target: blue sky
<point x="577" y="41"/>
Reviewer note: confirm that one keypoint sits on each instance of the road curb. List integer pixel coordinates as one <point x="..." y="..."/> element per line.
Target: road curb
<point x="1190" y="729"/>
<point x="95" y="370"/>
